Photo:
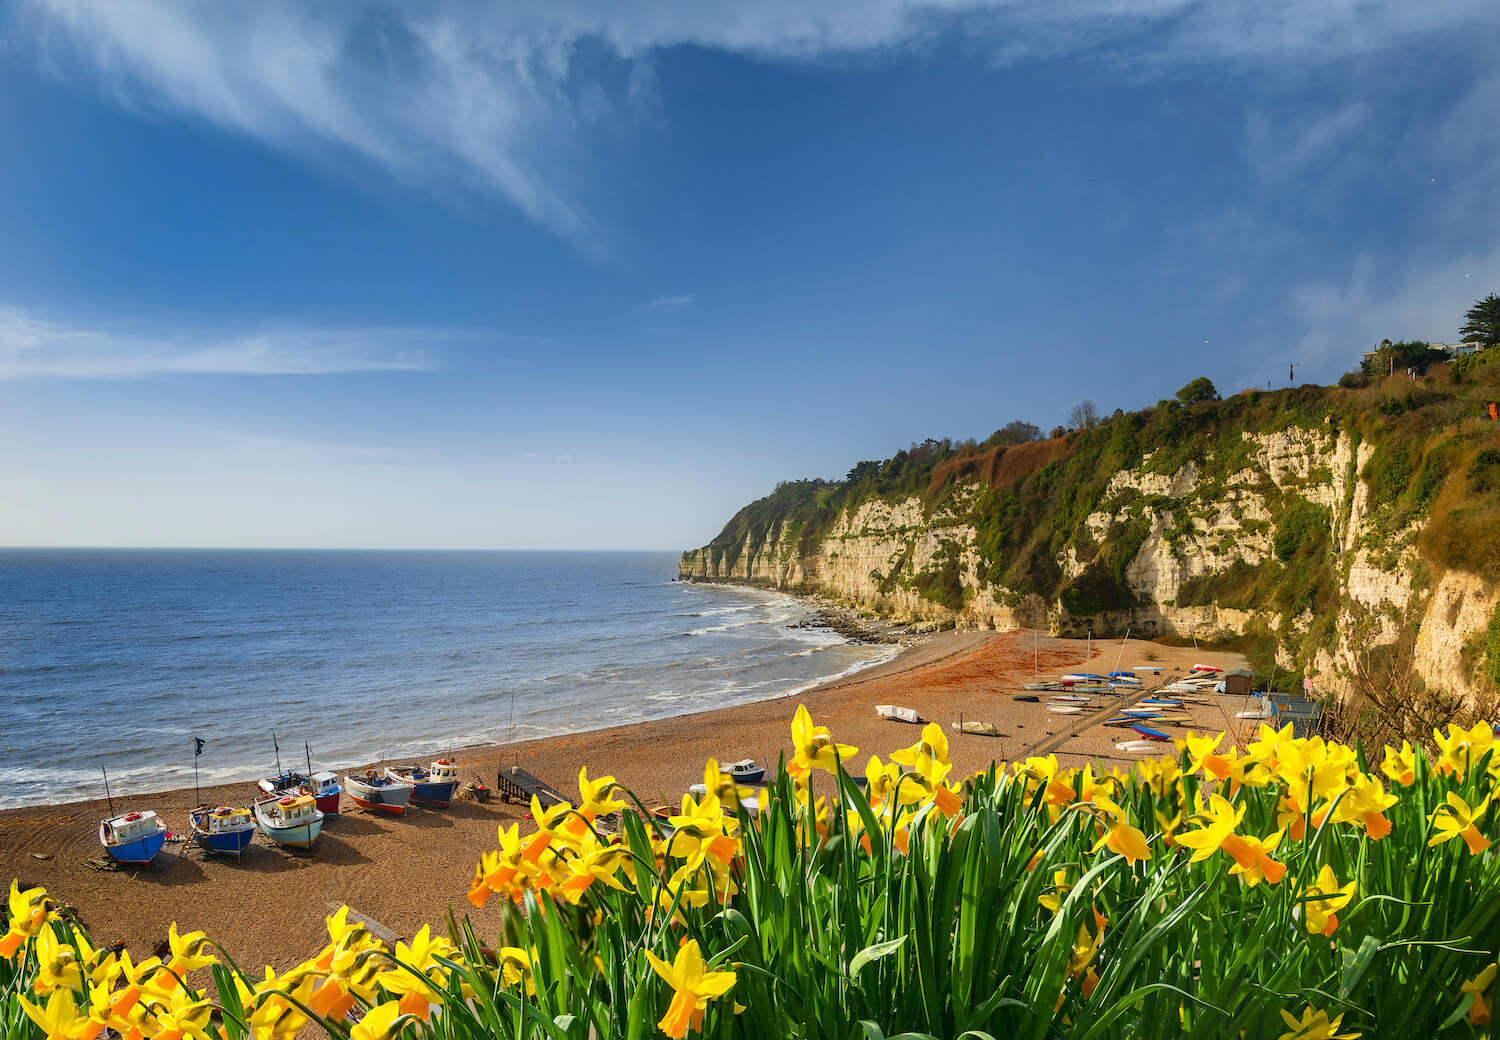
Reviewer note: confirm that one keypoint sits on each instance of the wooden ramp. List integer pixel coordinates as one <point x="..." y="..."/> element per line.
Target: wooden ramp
<point x="517" y="785"/>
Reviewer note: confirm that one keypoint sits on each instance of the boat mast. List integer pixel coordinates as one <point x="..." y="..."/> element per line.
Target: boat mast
<point x="308" y="749"/>
<point x="278" y="752"/>
<point x="106" y="790"/>
<point x="197" y="750"/>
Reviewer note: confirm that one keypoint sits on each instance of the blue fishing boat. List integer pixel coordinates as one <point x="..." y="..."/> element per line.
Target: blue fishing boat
<point x="224" y="829"/>
<point x="377" y="791"/>
<point x="135" y="837"/>
<point x="436" y="786"/>
<point x="292" y="820"/>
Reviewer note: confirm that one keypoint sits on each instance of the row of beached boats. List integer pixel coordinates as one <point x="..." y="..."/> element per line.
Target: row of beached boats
<point x="290" y="812"/>
<point x="1074" y="694"/>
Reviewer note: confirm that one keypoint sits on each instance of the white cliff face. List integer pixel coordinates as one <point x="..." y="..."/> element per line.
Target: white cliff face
<point x="1197" y="526"/>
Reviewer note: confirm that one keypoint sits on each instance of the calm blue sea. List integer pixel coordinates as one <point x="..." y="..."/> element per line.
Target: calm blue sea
<point x="120" y="657"/>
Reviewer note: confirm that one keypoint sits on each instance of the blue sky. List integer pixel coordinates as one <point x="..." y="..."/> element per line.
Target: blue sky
<point x="593" y="275"/>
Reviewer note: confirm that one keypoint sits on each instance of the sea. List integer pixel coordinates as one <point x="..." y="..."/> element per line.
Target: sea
<point x="122" y="659"/>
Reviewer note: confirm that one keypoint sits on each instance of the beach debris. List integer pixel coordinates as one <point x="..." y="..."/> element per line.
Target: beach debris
<point x="978" y="729"/>
<point x="41" y="855"/>
<point x="897" y="713"/>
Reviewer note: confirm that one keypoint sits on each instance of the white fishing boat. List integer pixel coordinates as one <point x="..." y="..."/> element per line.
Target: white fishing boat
<point x="222" y="829"/>
<point x="292" y="820"/>
<point x="897" y="713"/>
<point x="379" y="791"/>
<point x="134" y="837"/>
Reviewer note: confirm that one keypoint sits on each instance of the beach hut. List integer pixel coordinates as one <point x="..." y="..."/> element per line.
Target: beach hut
<point x="1237" y="681"/>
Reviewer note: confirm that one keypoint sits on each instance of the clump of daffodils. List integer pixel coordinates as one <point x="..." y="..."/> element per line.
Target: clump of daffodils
<point x="691" y="919"/>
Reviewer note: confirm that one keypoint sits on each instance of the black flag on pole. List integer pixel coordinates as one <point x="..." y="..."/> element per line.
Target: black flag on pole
<point x="198" y="750"/>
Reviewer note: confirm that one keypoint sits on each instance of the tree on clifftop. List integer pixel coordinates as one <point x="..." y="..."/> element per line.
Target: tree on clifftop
<point x="1084" y="416"/>
<point x="1200" y="389"/>
<point x="1016" y="432"/>
<point x="1484" y="322"/>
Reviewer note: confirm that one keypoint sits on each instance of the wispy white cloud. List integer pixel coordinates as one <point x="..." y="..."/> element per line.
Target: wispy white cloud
<point x="500" y="96"/>
<point x="34" y="348"/>
<point x="669" y="303"/>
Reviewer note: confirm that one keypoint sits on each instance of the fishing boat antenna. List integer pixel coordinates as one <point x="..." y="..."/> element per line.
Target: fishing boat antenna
<point x="1121" y="654"/>
<point x="308" y="748"/>
<point x="197" y="750"/>
<point x="107" y="796"/>
<point x="278" y="752"/>
<point x="511" y="739"/>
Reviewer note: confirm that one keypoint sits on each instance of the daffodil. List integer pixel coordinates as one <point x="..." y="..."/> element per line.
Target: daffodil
<point x="1479" y="1011"/>
<point x="1321" y="899"/>
<point x="1052" y="897"/>
<point x="1400" y="766"/>
<point x="1457" y="819"/>
<point x="58" y="1019"/>
<point x="515" y="966"/>
<point x="813" y="747"/>
<point x="57" y="964"/>
<point x="596" y="797"/>
<point x="1462" y="748"/>
<point x="381" y="1022"/>
<point x="188" y="951"/>
<point x="693" y="986"/>
<point x="1119" y="835"/>
<point x="183" y="1016"/>
<point x="1314" y="1025"/>
<point x="28" y="912"/>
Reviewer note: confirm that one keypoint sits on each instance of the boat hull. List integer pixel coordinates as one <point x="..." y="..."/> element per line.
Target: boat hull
<point x="439" y="794"/>
<point x="300" y="835"/>
<point x="328" y="804"/>
<point x="139" y="852"/>
<point x="386" y="798"/>
<point x="229" y="843"/>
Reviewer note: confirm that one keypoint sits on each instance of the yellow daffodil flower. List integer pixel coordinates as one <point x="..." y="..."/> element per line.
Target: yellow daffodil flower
<point x="1479" y="1011"/>
<point x="28" y="912"/>
<point x="596" y="797"/>
<point x="1120" y="836"/>
<point x="813" y="747"/>
<point x="1314" y="1025"/>
<point x="1327" y="896"/>
<point x="1457" y="819"/>
<point x="692" y="988"/>
<point x="1462" y="748"/>
<point x="1400" y="766"/>
<point x="187" y="951"/>
<point x="58" y="1019"/>
<point x="57" y="964"/>
<point x="515" y="967"/>
<point x="381" y="1022"/>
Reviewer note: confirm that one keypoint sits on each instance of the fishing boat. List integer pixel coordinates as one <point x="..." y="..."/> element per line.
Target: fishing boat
<point x="325" y="789"/>
<point x="374" y="790"/>
<point x="224" y="829"/>
<point x="745" y="771"/>
<point x="290" y="782"/>
<point x="434" y="786"/>
<point x="292" y="820"/>
<point x="135" y="837"/>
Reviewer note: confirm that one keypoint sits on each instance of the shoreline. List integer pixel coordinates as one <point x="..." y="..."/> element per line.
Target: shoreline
<point x="405" y="871"/>
<point x="843" y="621"/>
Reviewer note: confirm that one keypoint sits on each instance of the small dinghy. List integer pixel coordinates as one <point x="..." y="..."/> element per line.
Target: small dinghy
<point x="1078" y="677"/>
<point x="1206" y="668"/>
<point x="1029" y="698"/>
<point x="373" y="790"/>
<point x="978" y="729"/>
<point x="135" y="837"/>
<point x="292" y="820"/>
<point x="434" y="786"/>
<point x="1149" y="733"/>
<point x="1135" y="747"/>
<point x="745" y="771"/>
<point x="1160" y="702"/>
<point x="1043" y="687"/>
<point x="1154" y="669"/>
<point x="225" y="829"/>
<point x="897" y="713"/>
<point x="1069" y="698"/>
<point x="1065" y="709"/>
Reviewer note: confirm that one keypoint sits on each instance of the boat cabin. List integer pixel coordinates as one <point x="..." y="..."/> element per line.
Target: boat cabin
<point x="225" y="818"/>
<point x="325" y="783"/>
<point x="443" y="770"/>
<point x="295" y="809"/>
<point x="132" y="826"/>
